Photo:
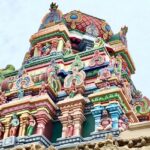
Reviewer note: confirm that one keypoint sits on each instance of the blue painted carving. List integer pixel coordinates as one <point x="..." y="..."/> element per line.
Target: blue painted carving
<point x="96" y="112"/>
<point x="115" y="112"/>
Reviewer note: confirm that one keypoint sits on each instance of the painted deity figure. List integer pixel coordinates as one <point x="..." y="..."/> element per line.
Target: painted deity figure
<point x="73" y="89"/>
<point x="127" y="89"/>
<point x="31" y="125"/>
<point x="21" y="92"/>
<point x="54" y="45"/>
<point x="1" y="131"/>
<point x="112" y="63"/>
<point x="105" y="122"/>
<point x="123" y="33"/>
<point x="99" y="43"/>
<point x="37" y="50"/>
<point x="43" y="89"/>
<point x="14" y="125"/>
<point x="98" y="59"/>
<point x="46" y="49"/>
<point x="67" y="48"/>
<point x="53" y="79"/>
<point x="118" y="66"/>
<point x="70" y="126"/>
<point x="123" y="123"/>
<point x="105" y="74"/>
<point x="27" y="57"/>
<point x="3" y="98"/>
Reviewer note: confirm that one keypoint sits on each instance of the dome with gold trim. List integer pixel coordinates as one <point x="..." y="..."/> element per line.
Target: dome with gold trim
<point x="78" y="21"/>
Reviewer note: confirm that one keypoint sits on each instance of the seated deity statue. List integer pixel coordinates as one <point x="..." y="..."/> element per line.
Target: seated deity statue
<point x="105" y="122"/>
<point x="70" y="126"/>
<point x="14" y="125"/>
<point x="31" y="125"/>
<point x="105" y="74"/>
<point x="123" y="123"/>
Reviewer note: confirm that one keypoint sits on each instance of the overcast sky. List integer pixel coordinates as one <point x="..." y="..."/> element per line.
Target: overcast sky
<point x="19" y="19"/>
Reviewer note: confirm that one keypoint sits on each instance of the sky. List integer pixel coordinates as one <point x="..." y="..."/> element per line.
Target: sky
<point x="20" y="19"/>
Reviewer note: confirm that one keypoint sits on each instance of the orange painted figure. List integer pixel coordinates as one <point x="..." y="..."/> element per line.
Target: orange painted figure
<point x="106" y="121"/>
<point x="70" y="126"/>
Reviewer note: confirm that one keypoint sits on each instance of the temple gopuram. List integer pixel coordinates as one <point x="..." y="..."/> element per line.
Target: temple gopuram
<point x="74" y="90"/>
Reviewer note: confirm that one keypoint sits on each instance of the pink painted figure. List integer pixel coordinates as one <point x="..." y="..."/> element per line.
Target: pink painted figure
<point x="1" y="131"/>
<point x="105" y="122"/>
<point x="70" y="126"/>
<point x="14" y="125"/>
<point x="123" y="123"/>
<point x="98" y="59"/>
<point x="112" y="61"/>
<point x="3" y="98"/>
<point x="105" y="75"/>
<point x="43" y="89"/>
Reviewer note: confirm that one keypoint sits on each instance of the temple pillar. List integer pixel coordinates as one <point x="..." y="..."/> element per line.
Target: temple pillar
<point x="73" y="107"/>
<point x="115" y="112"/>
<point x="23" y="124"/>
<point x="96" y="112"/>
<point x="7" y="127"/>
<point x="42" y="119"/>
<point x="60" y="45"/>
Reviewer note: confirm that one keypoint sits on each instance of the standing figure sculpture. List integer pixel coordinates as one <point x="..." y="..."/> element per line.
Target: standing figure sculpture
<point x="14" y="125"/>
<point x="1" y="131"/>
<point x="46" y="49"/>
<point x="118" y="66"/>
<point x="67" y="48"/>
<point x="31" y="125"/>
<point x="54" y="45"/>
<point x="105" y="122"/>
<point x="70" y="126"/>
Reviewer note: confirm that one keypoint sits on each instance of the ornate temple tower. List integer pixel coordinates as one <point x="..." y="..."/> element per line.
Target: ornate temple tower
<point x="73" y="90"/>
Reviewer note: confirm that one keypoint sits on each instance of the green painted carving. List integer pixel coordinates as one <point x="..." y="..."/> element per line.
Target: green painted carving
<point x="44" y="37"/>
<point x="142" y="106"/>
<point x="77" y="63"/>
<point x="53" y="79"/>
<point x="8" y="69"/>
<point x="109" y="97"/>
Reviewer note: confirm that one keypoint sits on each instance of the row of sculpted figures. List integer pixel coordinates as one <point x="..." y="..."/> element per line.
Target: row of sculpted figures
<point x="18" y="126"/>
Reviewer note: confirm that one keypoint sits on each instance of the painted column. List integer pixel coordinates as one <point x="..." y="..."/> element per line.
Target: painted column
<point x="96" y="112"/>
<point x="60" y="45"/>
<point x="73" y="107"/>
<point x="41" y="120"/>
<point x="23" y="124"/>
<point x="7" y="127"/>
<point x="115" y="112"/>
